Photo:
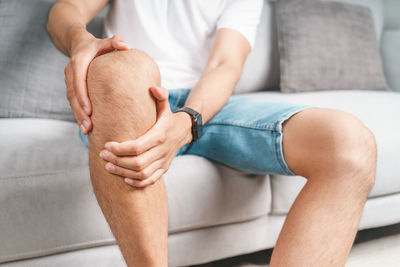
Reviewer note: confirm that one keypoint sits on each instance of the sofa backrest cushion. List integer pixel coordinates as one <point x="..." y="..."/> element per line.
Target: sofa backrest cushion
<point x="376" y="7"/>
<point x="261" y="70"/>
<point x="31" y="67"/>
<point x="327" y="46"/>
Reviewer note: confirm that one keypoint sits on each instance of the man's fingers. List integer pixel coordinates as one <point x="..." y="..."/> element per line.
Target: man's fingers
<point x="161" y="94"/>
<point x="136" y="147"/>
<point x="81" y="116"/>
<point x="108" y="45"/>
<point x="79" y="83"/>
<point x="139" y="184"/>
<point x="162" y="103"/>
<point x="83" y="120"/>
<point x="117" y="38"/>
<point x="119" y="45"/>
<point x="140" y="175"/>
<point x="136" y="163"/>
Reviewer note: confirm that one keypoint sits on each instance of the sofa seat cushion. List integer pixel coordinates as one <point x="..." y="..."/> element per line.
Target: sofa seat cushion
<point x="47" y="204"/>
<point x="379" y="111"/>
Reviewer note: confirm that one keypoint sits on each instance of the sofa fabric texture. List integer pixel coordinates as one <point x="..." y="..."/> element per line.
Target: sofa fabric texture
<point x="327" y="46"/>
<point x="31" y="67"/>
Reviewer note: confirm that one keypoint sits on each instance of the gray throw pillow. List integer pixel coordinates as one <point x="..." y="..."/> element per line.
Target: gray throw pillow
<point x="31" y="67"/>
<point x="327" y="46"/>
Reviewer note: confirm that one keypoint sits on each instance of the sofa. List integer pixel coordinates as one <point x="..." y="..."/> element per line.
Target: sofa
<point x="49" y="215"/>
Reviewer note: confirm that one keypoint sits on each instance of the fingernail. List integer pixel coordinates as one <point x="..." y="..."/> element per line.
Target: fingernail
<point x="86" y="109"/>
<point x="162" y="91"/>
<point x="104" y="155"/>
<point x="83" y="129"/>
<point x="110" y="167"/>
<point x="123" y="44"/>
<point x="108" y="146"/>
<point x="128" y="181"/>
<point x="85" y="124"/>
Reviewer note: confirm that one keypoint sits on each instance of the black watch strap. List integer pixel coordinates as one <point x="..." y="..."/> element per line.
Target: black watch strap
<point x="196" y="122"/>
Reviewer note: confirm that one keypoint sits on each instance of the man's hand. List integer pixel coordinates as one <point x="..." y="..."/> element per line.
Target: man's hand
<point x="143" y="161"/>
<point x="82" y="54"/>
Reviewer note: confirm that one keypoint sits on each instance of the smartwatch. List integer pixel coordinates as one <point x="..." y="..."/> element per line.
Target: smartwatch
<point x="197" y="124"/>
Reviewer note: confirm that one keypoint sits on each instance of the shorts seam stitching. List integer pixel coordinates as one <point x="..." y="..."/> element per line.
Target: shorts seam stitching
<point x="278" y="148"/>
<point x="267" y="127"/>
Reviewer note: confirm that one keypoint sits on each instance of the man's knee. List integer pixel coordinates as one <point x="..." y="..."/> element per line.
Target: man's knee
<point x="332" y="141"/>
<point x="122" y="74"/>
<point x="118" y="86"/>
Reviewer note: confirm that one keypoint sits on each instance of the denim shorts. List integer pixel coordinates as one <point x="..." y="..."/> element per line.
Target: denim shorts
<point x="246" y="134"/>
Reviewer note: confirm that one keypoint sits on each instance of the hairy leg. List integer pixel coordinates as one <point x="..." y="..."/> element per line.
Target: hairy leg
<point x="123" y="109"/>
<point x="337" y="155"/>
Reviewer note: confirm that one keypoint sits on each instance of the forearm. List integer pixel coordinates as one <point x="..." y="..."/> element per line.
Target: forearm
<point x="67" y="23"/>
<point x="213" y="90"/>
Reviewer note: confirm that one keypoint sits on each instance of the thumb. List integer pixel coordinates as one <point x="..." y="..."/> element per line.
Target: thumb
<point x="161" y="96"/>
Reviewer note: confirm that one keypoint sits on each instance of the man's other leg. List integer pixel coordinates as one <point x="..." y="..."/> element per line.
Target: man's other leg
<point x="337" y="154"/>
<point x="123" y="109"/>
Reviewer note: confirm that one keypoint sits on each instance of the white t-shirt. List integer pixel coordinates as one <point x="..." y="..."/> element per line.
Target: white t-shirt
<point x="178" y="34"/>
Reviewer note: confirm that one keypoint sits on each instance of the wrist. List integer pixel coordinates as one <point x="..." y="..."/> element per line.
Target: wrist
<point x="77" y="34"/>
<point x="184" y="124"/>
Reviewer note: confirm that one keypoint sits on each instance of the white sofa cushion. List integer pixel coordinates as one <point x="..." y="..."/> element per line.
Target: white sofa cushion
<point x="47" y="204"/>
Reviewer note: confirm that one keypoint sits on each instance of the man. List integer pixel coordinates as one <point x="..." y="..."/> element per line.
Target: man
<point x="118" y="101"/>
